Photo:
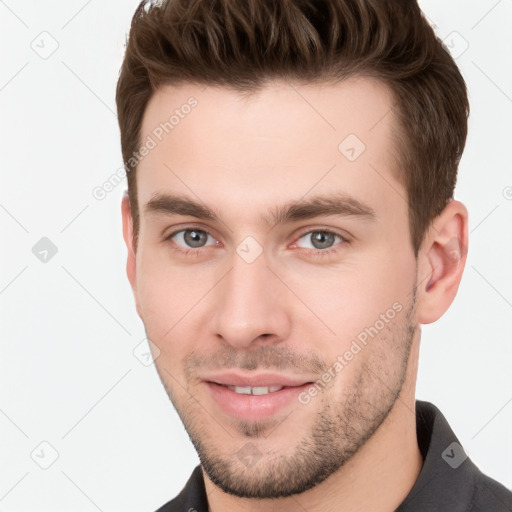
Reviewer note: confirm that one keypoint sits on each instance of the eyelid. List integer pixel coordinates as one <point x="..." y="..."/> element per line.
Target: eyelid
<point x="175" y="232"/>
<point x="343" y="235"/>
<point x="188" y="227"/>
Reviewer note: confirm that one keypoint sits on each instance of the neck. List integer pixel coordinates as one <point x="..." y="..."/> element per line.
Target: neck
<point x="378" y="477"/>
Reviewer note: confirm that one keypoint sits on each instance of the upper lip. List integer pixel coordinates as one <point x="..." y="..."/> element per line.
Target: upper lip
<point x="259" y="380"/>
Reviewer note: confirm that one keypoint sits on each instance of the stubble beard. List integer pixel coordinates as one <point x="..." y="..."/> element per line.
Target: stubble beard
<point x="338" y="431"/>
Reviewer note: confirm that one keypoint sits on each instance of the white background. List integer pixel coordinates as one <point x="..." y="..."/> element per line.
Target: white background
<point x="68" y="375"/>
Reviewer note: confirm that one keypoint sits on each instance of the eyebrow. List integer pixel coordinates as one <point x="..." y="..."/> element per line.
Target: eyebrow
<point x="339" y="204"/>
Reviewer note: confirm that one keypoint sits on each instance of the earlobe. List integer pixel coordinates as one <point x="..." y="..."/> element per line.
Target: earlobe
<point x="442" y="260"/>
<point x="131" y="266"/>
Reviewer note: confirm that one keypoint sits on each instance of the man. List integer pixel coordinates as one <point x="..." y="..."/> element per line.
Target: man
<point x="290" y="224"/>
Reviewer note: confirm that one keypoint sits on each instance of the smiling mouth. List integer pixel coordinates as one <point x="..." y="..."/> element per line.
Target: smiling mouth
<point x="256" y="390"/>
<point x="255" y="403"/>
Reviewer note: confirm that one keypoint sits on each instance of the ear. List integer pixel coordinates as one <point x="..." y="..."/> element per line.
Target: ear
<point x="441" y="262"/>
<point x="131" y="262"/>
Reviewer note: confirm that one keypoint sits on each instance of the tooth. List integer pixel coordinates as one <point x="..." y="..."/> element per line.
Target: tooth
<point x="244" y="390"/>
<point x="259" y="391"/>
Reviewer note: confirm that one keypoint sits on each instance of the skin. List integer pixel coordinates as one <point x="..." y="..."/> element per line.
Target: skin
<point x="353" y="446"/>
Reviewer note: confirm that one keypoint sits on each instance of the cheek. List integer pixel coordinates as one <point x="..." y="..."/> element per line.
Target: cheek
<point x="162" y="295"/>
<point x="170" y="295"/>
<point x="388" y="274"/>
<point x="352" y="298"/>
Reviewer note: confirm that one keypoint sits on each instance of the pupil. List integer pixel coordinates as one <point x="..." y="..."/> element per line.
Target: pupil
<point x="193" y="238"/>
<point x="321" y="239"/>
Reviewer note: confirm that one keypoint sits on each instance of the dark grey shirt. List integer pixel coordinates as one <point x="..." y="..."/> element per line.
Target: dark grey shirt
<point x="448" y="481"/>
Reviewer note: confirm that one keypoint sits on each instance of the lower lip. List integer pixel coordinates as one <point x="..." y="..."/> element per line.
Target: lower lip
<point x="254" y="407"/>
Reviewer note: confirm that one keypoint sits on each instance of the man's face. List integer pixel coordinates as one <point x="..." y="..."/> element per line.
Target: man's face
<point x="319" y="293"/>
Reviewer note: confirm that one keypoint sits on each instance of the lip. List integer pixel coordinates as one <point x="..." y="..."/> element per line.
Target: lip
<point x="254" y="407"/>
<point x="262" y="379"/>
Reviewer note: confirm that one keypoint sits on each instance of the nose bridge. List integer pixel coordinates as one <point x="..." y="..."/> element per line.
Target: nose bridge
<point x="249" y="303"/>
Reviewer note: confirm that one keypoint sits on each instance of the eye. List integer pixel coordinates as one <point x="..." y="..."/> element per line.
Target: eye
<point x="191" y="238"/>
<point x="321" y="240"/>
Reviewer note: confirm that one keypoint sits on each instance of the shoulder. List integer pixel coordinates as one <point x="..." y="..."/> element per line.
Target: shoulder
<point x="192" y="497"/>
<point x="490" y="495"/>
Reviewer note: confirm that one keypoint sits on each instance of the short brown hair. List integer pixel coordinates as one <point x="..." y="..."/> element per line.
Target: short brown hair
<point x="239" y="44"/>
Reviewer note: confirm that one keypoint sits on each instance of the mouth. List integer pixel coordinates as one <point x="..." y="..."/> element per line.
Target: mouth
<point x="259" y="390"/>
<point x="254" y="403"/>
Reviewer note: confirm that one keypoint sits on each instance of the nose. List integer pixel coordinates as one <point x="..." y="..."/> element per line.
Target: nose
<point x="250" y="305"/>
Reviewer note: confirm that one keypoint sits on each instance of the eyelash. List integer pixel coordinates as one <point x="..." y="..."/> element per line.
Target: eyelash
<point x="318" y="253"/>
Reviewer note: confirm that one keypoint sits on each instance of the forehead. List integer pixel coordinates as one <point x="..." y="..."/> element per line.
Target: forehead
<point x="284" y="139"/>
<point x="356" y="105"/>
